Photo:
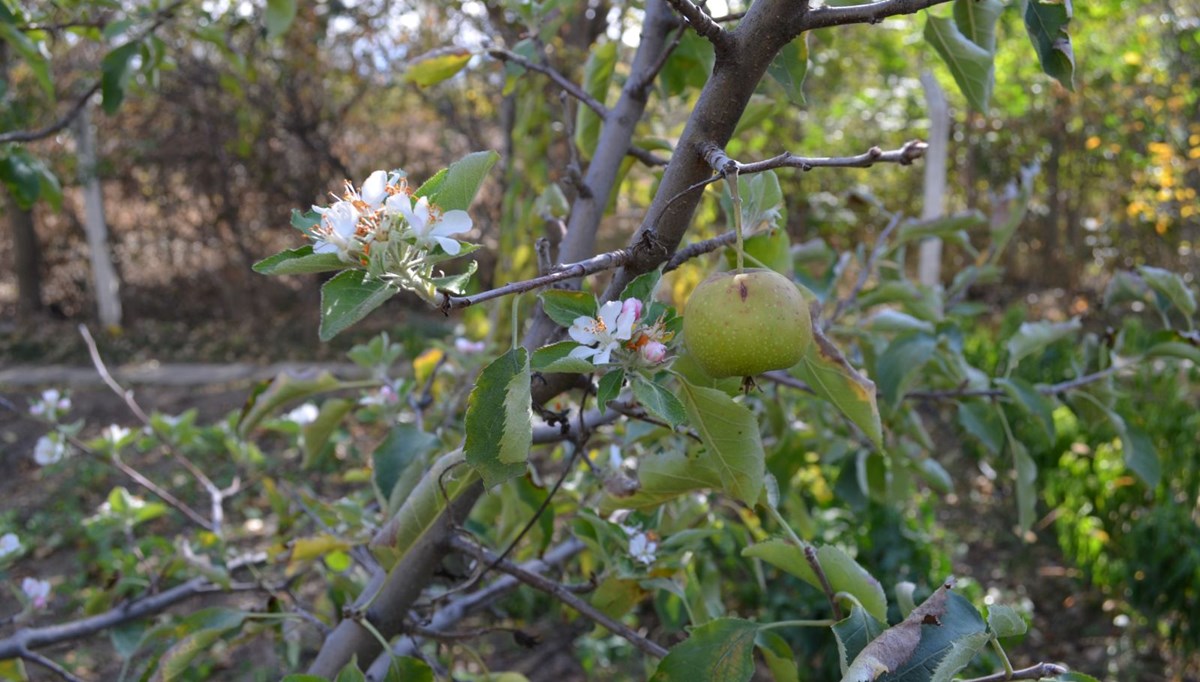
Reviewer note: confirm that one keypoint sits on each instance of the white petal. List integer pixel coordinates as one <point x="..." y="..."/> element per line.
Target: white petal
<point x="453" y="222"/>
<point x="398" y="203"/>
<point x="582" y="352"/>
<point x="450" y="246"/>
<point x="374" y="190"/>
<point x="418" y="218"/>
<point x="324" y="247"/>
<point x="625" y="325"/>
<point x="609" y="313"/>
<point x="606" y="350"/>
<point x="581" y="330"/>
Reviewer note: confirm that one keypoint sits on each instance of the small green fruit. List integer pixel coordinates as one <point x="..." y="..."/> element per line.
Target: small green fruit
<point x="743" y="324"/>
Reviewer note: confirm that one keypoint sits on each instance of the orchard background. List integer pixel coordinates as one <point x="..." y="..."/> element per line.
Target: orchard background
<point x="985" y="466"/>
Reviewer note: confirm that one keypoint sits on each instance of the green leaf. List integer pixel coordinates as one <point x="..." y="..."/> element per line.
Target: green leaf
<point x="115" y="75"/>
<point x="456" y="284"/>
<point x="1171" y="286"/>
<point x="832" y="378"/>
<point x="597" y="76"/>
<point x="283" y="389"/>
<point x="843" y="572"/>
<point x="970" y="64"/>
<point x="32" y="54"/>
<point x="556" y="358"/>
<point x="348" y="298"/>
<point x="1004" y="621"/>
<point x="279" y="17"/>
<point x="563" y="306"/>
<point x="901" y="362"/>
<point x="722" y="649"/>
<point x="642" y="287"/>
<point x="350" y="672"/>
<point x="1046" y="22"/>
<point x="318" y="432"/>
<point x="979" y="419"/>
<point x="729" y="432"/>
<point x="658" y="401"/>
<point x="921" y="302"/>
<point x="854" y="633"/>
<point x="1140" y="455"/>
<point x="665" y="476"/>
<point x="976" y="19"/>
<point x="1174" y="349"/>
<point x="609" y="387"/>
<point x="1031" y="401"/>
<point x="931" y="643"/>
<point x="778" y="656"/>
<point x="499" y="426"/>
<point x="396" y="460"/>
<point x="945" y="227"/>
<point x="790" y="68"/>
<point x="1027" y="471"/>
<point x="440" y="484"/>
<point x="1034" y="336"/>
<point x="455" y="187"/>
<point x="19" y="174"/>
<point x="126" y="639"/>
<point x="177" y="660"/>
<point x="894" y="321"/>
<point x="436" y="68"/>
<point x="408" y="669"/>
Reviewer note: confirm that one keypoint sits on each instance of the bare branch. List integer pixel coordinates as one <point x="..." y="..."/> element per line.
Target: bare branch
<point x="1052" y="389"/>
<point x="562" y="81"/>
<point x="604" y="261"/>
<point x="1033" y="672"/>
<point x="215" y="494"/>
<point x="49" y="665"/>
<point x="647" y="157"/>
<point x="699" y="249"/>
<point x="868" y="268"/>
<point x="869" y="13"/>
<point x="905" y="155"/>
<point x="27" y="639"/>
<point x="702" y="23"/>
<point x="646" y="79"/>
<point x="63" y="121"/>
<point x="560" y="593"/>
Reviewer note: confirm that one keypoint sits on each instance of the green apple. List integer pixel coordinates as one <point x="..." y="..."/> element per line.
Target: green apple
<point x="743" y="324"/>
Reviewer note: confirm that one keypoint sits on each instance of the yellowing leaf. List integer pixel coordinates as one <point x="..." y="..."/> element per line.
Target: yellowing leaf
<point x="433" y="70"/>
<point x="307" y="549"/>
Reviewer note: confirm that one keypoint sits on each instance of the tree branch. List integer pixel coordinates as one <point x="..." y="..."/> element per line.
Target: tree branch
<point x="703" y="24"/>
<point x="604" y="261"/>
<point x="868" y="268"/>
<point x="27" y="639"/>
<point x="562" y="81"/>
<point x="49" y="665"/>
<point x="560" y="593"/>
<point x="869" y="13"/>
<point x="1052" y="389"/>
<point x="61" y="123"/>
<point x="461" y="607"/>
<point x="905" y="155"/>
<point x="1033" y="672"/>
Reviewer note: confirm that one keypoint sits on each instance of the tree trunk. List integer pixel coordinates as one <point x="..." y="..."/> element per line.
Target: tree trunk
<point x="104" y="275"/>
<point x="26" y="260"/>
<point x="929" y="264"/>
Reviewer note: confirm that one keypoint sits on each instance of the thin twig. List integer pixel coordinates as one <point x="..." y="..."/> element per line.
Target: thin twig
<point x="867" y="271"/>
<point x="869" y="13"/>
<point x="910" y="151"/>
<point x="1052" y="389"/>
<point x="785" y="379"/>
<point x="50" y="665"/>
<point x="583" y="268"/>
<point x="562" y="594"/>
<point x="1033" y="672"/>
<point x="215" y="494"/>
<point x="647" y="157"/>
<point x="810" y="554"/>
<point x="62" y="122"/>
<point x="647" y="79"/>
<point x="703" y="24"/>
<point x="562" y="81"/>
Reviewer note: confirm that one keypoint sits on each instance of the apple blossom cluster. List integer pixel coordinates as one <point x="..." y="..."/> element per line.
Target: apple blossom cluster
<point x="381" y="226"/>
<point x="52" y="406"/>
<point x="614" y="328"/>
<point x="36" y="591"/>
<point x="643" y="545"/>
<point x="51" y="448"/>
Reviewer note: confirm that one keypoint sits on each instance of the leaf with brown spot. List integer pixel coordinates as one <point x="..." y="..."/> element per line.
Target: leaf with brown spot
<point x="833" y="378"/>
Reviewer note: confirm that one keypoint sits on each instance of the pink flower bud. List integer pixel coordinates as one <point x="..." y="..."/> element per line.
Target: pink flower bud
<point x="632" y="305"/>
<point x="654" y="352"/>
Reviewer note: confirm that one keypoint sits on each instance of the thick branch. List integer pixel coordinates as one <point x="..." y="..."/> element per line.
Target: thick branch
<point x="28" y="639"/>
<point x="703" y="24"/>
<point x="869" y="13"/>
<point x="562" y="81"/>
<point x="460" y="608"/>
<point x="561" y="593"/>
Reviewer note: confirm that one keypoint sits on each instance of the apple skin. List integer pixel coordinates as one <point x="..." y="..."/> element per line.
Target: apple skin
<point x="743" y="324"/>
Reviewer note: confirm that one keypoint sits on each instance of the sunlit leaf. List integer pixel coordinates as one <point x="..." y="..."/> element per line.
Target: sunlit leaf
<point x="1034" y="336"/>
<point x="1004" y="621"/>
<point x="499" y="423"/>
<point x="842" y="571"/>
<point x="434" y="69"/>
<point x="722" y="649"/>
<point x="1046" y="22"/>
<point x="729" y="432"/>
<point x="348" y="298"/>
<point x="970" y="64"/>
<point x="832" y="378"/>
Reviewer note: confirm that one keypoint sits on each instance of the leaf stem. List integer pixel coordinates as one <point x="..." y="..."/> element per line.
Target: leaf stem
<point x="818" y="623"/>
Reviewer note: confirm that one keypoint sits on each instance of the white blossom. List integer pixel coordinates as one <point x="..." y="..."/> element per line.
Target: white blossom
<point x="429" y="225"/>
<point x="386" y="395"/>
<point x="38" y="592"/>
<point x="10" y="544"/>
<point x="336" y="233"/>
<point x="642" y="544"/>
<point x="305" y="414"/>
<point x="52" y="405"/>
<point x="468" y="347"/>
<point x="613" y="325"/>
<point x="115" y="433"/>
<point x="50" y="449"/>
